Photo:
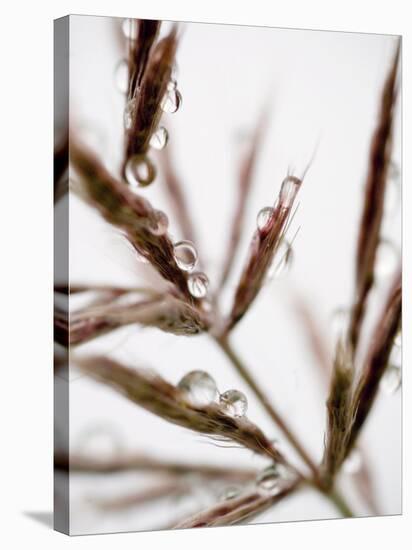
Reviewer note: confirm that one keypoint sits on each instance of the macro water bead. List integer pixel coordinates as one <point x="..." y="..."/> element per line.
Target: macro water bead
<point x="290" y="187"/>
<point x="268" y="479"/>
<point x="140" y="171"/>
<point x="234" y="403"/>
<point x="159" y="139"/>
<point x="197" y="284"/>
<point x="171" y="101"/>
<point x="198" y="388"/>
<point x="263" y="217"/>
<point x="185" y="255"/>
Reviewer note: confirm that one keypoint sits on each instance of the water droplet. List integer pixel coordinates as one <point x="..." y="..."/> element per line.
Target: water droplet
<point x="387" y="259"/>
<point x="230" y="492"/>
<point x="353" y="462"/>
<point x="128" y="114"/>
<point x="172" y="84"/>
<point x="263" y="217"/>
<point x="198" y="388"/>
<point x="197" y="284"/>
<point x="290" y="187"/>
<point x="282" y="262"/>
<point x="171" y="101"/>
<point x="140" y="171"/>
<point x="185" y="255"/>
<point x="121" y="76"/>
<point x="391" y="380"/>
<point x="159" y="138"/>
<point x="233" y="403"/>
<point x="339" y="322"/>
<point x="129" y="28"/>
<point x="159" y="223"/>
<point x="268" y="480"/>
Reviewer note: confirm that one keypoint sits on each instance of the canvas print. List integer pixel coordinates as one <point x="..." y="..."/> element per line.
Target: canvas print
<point x="227" y="275"/>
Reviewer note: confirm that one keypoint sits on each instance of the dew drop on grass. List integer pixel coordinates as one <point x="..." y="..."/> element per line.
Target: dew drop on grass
<point x="171" y="101"/>
<point x="263" y="217"/>
<point x="290" y="187"/>
<point x="268" y="480"/>
<point x="171" y="85"/>
<point x="234" y="403"/>
<point x="198" y="388"/>
<point x="159" y="139"/>
<point x="121" y="76"/>
<point x="140" y="171"/>
<point x="185" y="255"/>
<point x="197" y="284"/>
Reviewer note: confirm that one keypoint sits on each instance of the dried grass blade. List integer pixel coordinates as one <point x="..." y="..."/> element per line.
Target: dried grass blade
<point x="236" y="510"/>
<point x="263" y="247"/>
<point x="377" y="359"/>
<point x="339" y="414"/>
<point x="128" y="211"/>
<point x="154" y="394"/>
<point x="245" y="181"/>
<point x="371" y="218"/>
<point x="147" y="112"/>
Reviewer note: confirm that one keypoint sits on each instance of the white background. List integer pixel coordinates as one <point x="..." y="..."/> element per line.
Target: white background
<point x="27" y="266"/>
<point x="320" y="87"/>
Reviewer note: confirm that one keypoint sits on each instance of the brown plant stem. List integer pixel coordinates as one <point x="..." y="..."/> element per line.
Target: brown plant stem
<point x="246" y="375"/>
<point x="244" y="372"/>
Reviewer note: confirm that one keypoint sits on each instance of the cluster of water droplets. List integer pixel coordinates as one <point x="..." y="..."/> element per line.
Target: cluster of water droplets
<point x="140" y="171"/>
<point x="185" y="255"/>
<point x="200" y="390"/>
